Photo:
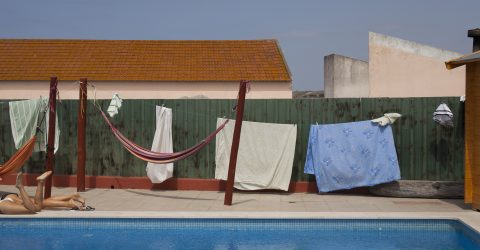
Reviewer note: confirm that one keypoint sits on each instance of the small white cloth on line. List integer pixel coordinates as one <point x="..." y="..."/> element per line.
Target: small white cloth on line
<point x="162" y="142"/>
<point x="115" y="105"/>
<point x="265" y="155"/>
<point x="25" y="117"/>
<point x="386" y="119"/>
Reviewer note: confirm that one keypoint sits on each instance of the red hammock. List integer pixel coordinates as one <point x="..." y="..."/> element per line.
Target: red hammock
<point x="157" y="157"/>
<point x="19" y="158"/>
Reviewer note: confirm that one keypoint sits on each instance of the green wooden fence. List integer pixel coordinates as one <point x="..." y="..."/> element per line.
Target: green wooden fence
<point x="426" y="150"/>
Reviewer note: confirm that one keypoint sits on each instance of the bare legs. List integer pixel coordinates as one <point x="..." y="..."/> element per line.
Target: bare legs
<point x="70" y="201"/>
<point x="36" y="205"/>
<point x="39" y="192"/>
<point x="23" y="204"/>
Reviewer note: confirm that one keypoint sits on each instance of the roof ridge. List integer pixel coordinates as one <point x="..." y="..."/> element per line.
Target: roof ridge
<point x="136" y="40"/>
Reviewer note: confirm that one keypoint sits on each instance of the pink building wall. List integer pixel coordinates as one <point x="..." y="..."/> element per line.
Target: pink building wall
<point x="401" y="68"/>
<point x="147" y="90"/>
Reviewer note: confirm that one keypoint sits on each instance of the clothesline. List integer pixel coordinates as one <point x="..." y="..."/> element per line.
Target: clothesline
<point x="210" y="116"/>
<point x="179" y="113"/>
<point x="192" y="114"/>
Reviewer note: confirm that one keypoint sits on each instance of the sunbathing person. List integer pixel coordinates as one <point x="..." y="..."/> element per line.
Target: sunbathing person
<point x="11" y="203"/>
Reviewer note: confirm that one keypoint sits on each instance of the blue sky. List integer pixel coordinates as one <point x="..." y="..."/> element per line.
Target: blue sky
<point x="307" y="30"/>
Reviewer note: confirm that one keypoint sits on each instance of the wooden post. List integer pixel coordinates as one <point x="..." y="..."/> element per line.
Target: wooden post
<point x="472" y="92"/>
<point x="475" y="34"/>
<point x="50" y="162"/>
<point x="81" y="124"/>
<point x="469" y="128"/>
<point x="235" y="143"/>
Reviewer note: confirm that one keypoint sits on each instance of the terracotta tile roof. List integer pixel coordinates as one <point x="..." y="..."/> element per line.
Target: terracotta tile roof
<point x="142" y="60"/>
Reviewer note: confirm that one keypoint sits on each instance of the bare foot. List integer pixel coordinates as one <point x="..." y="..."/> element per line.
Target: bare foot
<point x="19" y="181"/>
<point x="81" y="200"/>
<point x="75" y="205"/>
<point x="44" y="176"/>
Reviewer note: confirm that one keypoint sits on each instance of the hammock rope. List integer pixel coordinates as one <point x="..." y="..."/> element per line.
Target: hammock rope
<point x="158" y="157"/>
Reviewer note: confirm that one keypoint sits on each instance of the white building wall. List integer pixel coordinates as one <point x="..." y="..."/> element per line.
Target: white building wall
<point x="345" y="77"/>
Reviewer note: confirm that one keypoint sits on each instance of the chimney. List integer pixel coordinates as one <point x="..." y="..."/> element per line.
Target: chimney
<point x="475" y="34"/>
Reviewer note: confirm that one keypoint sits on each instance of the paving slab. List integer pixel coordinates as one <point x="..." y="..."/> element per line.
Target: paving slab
<point x="123" y="203"/>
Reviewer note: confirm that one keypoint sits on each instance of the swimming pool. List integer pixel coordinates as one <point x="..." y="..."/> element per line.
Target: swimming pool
<point x="94" y="233"/>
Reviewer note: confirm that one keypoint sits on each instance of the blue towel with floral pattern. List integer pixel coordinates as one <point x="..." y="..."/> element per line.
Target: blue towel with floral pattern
<point x="348" y="155"/>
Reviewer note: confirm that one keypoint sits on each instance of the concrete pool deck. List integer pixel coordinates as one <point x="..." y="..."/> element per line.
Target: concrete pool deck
<point x="142" y="203"/>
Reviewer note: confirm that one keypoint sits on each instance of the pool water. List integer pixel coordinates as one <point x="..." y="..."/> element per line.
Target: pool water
<point x="58" y="233"/>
